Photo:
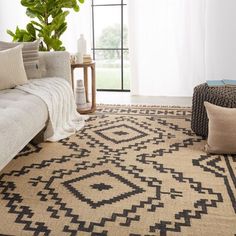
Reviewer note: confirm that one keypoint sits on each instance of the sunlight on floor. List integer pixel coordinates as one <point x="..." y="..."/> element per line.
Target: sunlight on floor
<point x="126" y="98"/>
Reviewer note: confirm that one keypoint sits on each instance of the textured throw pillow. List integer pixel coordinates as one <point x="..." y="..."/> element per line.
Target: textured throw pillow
<point x="30" y="56"/>
<point x="12" y="71"/>
<point x="222" y="129"/>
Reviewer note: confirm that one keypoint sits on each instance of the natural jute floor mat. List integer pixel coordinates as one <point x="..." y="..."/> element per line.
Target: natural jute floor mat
<point x="132" y="170"/>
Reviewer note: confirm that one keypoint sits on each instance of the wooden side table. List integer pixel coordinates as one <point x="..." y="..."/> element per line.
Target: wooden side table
<point x="85" y="67"/>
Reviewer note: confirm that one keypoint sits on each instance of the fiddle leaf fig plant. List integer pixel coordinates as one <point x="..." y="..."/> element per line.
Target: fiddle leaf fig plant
<point x="48" y="21"/>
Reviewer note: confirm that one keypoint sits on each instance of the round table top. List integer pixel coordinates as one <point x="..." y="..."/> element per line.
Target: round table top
<point x="74" y="65"/>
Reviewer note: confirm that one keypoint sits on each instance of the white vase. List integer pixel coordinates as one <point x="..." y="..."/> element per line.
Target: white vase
<point x="81" y="48"/>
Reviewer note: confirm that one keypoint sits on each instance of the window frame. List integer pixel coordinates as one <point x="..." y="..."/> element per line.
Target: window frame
<point x="121" y="49"/>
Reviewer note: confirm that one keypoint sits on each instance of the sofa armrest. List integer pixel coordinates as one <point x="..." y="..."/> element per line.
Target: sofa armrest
<point x="55" y="64"/>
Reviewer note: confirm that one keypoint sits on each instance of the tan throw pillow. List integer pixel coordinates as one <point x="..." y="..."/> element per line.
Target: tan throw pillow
<point x="30" y="56"/>
<point x="222" y="129"/>
<point x="12" y="71"/>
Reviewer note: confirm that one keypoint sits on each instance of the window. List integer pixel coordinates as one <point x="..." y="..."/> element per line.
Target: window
<point x="110" y="44"/>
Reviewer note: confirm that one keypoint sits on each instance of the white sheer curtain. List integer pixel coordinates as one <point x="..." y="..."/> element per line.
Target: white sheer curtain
<point x="167" y="46"/>
<point x="221" y="39"/>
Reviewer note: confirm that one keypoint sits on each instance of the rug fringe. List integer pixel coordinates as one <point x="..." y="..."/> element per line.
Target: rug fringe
<point x="144" y="106"/>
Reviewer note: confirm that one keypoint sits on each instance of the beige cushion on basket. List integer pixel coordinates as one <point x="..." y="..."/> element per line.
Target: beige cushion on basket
<point x="30" y="56"/>
<point x="222" y="129"/>
<point x="12" y="71"/>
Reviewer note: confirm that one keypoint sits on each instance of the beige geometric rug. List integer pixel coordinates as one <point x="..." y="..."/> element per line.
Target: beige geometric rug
<point x="132" y="171"/>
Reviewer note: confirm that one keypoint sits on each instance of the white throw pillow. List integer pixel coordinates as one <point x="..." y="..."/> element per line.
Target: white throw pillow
<point x="30" y="53"/>
<point x="12" y="71"/>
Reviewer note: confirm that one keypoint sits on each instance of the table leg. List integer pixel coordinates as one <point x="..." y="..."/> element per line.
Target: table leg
<point x="72" y="80"/>
<point x="86" y="83"/>
<point x="93" y="108"/>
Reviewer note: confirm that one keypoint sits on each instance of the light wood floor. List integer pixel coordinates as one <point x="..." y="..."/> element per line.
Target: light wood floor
<point x="126" y="98"/>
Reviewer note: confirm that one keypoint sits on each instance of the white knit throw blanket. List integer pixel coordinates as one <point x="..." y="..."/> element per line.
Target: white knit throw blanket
<point x="64" y="120"/>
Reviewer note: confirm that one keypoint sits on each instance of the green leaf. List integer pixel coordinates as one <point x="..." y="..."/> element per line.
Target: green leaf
<point x="59" y="20"/>
<point x="37" y="24"/>
<point x="31" y="13"/>
<point x="62" y="48"/>
<point x="61" y="29"/>
<point x="76" y="8"/>
<point x="30" y="28"/>
<point x="27" y="38"/>
<point x="11" y="33"/>
<point x="17" y="30"/>
<point x="56" y="44"/>
<point x="27" y="3"/>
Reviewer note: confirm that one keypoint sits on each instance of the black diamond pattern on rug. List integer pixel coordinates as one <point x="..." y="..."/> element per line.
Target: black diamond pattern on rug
<point x="120" y="133"/>
<point x="77" y="189"/>
<point x="101" y="186"/>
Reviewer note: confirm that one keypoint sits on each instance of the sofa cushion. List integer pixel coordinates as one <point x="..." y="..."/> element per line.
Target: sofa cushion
<point x="222" y="129"/>
<point x="12" y="70"/>
<point x="22" y="116"/>
<point x="30" y="56"/>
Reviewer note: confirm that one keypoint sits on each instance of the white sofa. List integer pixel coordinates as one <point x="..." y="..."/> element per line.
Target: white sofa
<point x="22" y="115"/>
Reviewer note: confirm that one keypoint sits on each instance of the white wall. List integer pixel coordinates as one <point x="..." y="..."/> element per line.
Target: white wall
<point x="11" y="15"/>
<point x="221" y="39"/>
